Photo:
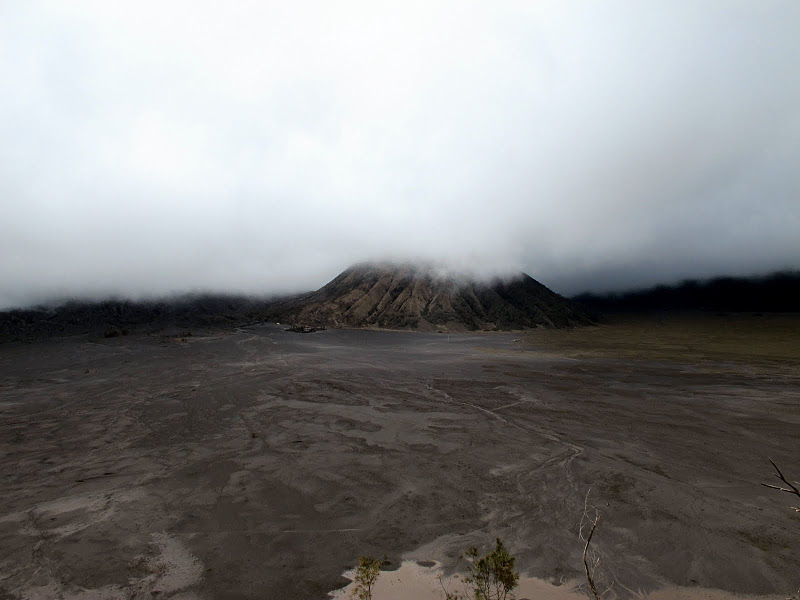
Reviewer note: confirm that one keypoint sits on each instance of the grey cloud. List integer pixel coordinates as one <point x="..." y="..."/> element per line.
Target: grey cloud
<point x="263" y="148"/>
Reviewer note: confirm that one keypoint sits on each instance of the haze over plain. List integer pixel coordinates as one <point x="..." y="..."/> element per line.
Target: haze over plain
<point x="263" y="147"/>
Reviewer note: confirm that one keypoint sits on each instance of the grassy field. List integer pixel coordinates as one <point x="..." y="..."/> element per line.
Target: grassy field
<point x="768" y="340"/>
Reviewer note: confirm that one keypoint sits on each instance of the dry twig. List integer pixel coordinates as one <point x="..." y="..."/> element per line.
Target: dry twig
<point x="792" y="489"/>
<point x="590" y="572"/>
<point x="591" y="557"/>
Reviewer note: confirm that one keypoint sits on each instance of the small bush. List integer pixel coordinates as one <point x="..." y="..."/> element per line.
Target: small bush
<point x="490" y="577"/>
<point x="367" y="573"/>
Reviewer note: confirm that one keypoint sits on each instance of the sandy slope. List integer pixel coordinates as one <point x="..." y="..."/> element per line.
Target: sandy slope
<point x="261" y="464"/>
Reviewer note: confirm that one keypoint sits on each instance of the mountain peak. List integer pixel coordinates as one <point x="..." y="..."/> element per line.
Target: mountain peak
<point x="424" y="297"/>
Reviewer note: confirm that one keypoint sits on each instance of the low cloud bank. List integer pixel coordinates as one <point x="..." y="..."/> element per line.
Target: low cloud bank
<point x="262" y="148"/>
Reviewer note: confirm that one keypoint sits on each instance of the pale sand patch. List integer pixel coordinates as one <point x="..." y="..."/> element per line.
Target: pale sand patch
<point x="413" y="581"/>
<point x="686" y="593"/>
<point x="173" y="571"/>
<point x="177" y="568"/>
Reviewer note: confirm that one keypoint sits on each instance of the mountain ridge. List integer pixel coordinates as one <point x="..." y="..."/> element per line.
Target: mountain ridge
<point x="367" y="295"/>
<point x="773" y="292"/>
<point x="409" y="296"/>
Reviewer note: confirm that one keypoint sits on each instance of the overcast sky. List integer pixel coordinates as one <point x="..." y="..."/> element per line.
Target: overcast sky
<point x="149" y="148"/>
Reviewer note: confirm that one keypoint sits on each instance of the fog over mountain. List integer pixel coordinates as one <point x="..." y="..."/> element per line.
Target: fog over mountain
<point x="158" y="148"/>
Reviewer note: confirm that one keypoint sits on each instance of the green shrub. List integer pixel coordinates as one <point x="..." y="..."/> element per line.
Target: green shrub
<point x="490" y="577"/>
<point x="366" y="575"/>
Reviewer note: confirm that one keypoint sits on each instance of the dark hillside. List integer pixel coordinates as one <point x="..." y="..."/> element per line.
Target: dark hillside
<point x="779" y="292"/>
<point x="119" y="317"/>
<point x="371" y="295"/>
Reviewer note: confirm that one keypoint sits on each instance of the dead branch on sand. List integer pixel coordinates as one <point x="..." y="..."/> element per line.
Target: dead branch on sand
<point x="591" y="558"/>
<point x="590" y="572"/>
<point x="792" y="489"/>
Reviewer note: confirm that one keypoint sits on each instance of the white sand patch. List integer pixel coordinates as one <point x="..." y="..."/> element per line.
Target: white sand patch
<point x="177" y="568"/>
<point x="413" y="581"/>
<point x="82" y="511"/>
<point x="409" y="581"/>
<point x="172" y="573"/>
<point x="687" y="593"/>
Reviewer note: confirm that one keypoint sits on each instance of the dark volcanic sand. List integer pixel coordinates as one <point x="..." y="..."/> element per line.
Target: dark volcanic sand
<point x="261" y="463"/>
